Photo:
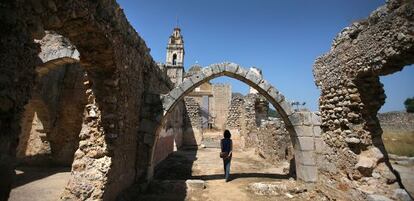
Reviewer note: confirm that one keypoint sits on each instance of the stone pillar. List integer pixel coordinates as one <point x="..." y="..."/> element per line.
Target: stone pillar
<point x="307" y="131"/>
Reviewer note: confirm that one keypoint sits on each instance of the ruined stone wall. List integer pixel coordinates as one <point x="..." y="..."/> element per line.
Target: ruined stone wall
<point x="221" y="103"/>
<point x="33" y="143"/>
<point x="118" y="65"/>
<point x="351" y="93"/>
<point x="53" y="117"/>
<point x="268" y="136"/>
<point x="396" y="121"/>
<point x="233" y="120"/>
<point x="273" y="141"/>
<point x="170" y="137"/>
<point x="192" y="122"/>
<point x="249" y="128"/>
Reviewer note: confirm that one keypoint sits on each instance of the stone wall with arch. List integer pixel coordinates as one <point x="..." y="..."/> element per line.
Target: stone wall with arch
<point x="116" y="61"/>
<point x="303" y="127"/>
<point x="52" y="119"/>
<point x="352" y="94"/>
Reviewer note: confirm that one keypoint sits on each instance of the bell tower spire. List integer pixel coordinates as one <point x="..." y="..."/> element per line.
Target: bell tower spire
<point x="175" y="56"/>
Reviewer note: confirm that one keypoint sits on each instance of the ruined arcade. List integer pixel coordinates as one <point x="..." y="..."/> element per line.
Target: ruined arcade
<point x="80" y="89"/>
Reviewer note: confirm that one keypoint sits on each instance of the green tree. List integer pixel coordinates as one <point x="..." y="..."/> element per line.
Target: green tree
<point x="409" y="105"/>
<point x="273" y="113"/>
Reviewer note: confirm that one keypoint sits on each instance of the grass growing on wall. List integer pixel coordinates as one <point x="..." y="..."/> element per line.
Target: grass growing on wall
<point x="399" y="143"/>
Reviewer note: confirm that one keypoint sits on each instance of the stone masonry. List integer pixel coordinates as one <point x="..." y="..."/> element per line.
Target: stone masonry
<point x="221" y="102"/>
<point x="248" y="117"/>
<point x="351" y="95"/>
<point x="396" y="121"/>
<point x="303" y="127"/>
<point x="130" y="102"/>
<point x="112" y="152"/>
<point x="233" y="120"/>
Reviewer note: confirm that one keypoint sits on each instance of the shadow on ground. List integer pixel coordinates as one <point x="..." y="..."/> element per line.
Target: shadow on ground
<point x="235" y="176"/>
<point x="27" y="174"/>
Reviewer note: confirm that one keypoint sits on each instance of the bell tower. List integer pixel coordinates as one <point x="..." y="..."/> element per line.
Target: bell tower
<point x="175" y="57"/>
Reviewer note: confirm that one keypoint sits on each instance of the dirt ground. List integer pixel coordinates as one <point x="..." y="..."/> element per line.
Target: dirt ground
<point x="39" y="183"/>
<point x="204" y="164"/>
<point x="407" y="176"/>
<point x="46" y="183"/>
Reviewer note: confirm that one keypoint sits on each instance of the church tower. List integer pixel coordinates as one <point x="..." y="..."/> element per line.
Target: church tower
<point x="175" y="57"/>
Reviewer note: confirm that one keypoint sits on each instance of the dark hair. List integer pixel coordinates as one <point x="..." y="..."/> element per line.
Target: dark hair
<point x="227" y="134"/>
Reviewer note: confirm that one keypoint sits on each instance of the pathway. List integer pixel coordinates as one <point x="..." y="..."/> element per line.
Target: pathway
<point x="203" y="166"/>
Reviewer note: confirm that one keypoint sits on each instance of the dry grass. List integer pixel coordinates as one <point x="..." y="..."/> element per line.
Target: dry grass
<point x="399" y="143"/>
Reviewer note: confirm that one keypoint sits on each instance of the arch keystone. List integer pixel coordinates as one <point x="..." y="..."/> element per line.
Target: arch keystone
<point x="231" y="67"/>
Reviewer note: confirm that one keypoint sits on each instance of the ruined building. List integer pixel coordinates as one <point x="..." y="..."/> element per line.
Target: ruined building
<point x="123" y="113"/>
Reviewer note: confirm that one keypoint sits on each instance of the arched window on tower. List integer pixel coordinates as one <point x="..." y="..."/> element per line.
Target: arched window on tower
<point x="174" y="59"/>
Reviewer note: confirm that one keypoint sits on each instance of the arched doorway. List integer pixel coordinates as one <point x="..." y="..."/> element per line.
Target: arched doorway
<point x="111" y="53"/>
<point x="303" y="127"/>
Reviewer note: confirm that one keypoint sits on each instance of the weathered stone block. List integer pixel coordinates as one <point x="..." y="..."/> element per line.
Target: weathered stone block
<point x="216" y="69"/>
<point x="241" y="72"/>
<point x="306" y="157"/>
<point x="186" y="85"/>
<point x="231" y="67"/>
<point x="222" y="67"/>
<point x="307" y="118"/>
<point x="317" y="131"/>
<point x="316" y="119"/>
<point x="305" y="143"/>
<point x="365" y="165"/>
<point x="273" y="92"/>
<point x="253" y="77"/>
<point x="304" y="131"/>
<point x="195" y="184"/>
<point x="176" y="93"/>
<point x="375" y="197"/>
<point x="264" y="85"/>
<point x="167" y="102"/>
<point x="401" y="194"/>
<point x="296" y="119"/>
<point x="197" y="78"/>
<point x="285" y="105"/>
<point x="207" y="71"/>
<point x="306" y="173"/>
<point x="319" y="145"/>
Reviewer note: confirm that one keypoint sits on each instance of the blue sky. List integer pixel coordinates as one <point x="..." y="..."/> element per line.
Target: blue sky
<point x="283" y="38"/>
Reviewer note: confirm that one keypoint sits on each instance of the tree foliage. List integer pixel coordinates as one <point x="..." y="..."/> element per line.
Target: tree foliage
<point x="273" y="113"/>
<point x="409" y="105"/>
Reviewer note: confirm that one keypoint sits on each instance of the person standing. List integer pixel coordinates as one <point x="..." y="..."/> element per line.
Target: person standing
<point x="226" y="153"/>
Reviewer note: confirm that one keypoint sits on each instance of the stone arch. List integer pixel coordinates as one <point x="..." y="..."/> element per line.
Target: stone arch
<point x="352" y="94"/>
<point x="115" y="59"/>
<point x="52" y="119"/>
<point x="303" y="127"/>
<point x="56" y="51"/>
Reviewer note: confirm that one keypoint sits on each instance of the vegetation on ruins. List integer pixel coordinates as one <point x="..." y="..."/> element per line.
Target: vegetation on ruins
<point x="399" y="143"/>
<point x="409" y="105"/>
<point x="273" y="113"/>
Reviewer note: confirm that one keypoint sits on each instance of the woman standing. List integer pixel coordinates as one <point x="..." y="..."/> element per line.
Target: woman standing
<point x="226" y="153"/>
